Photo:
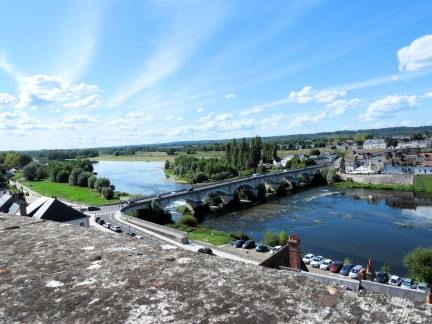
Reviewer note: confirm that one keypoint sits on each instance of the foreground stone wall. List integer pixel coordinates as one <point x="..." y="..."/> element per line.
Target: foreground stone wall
<point x="391" y="179"/>
<point x="55" y="273"/>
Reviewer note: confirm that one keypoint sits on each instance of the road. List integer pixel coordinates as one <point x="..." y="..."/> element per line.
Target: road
<point x="107" y="214"/>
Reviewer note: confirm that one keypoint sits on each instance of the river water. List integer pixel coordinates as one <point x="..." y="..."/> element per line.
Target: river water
<point x="336" y="223"/>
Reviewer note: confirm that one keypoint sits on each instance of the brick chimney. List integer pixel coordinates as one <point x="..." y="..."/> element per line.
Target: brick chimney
<point x="294" y="252"/>
<point x="23" y="208"/>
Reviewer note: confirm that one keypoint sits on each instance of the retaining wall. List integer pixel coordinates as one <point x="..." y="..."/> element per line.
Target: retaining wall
<point x="393" y="291"/>
<point x="383" y="179"/>
<point x="171" y="233"/>
<point x="350" y="283"/>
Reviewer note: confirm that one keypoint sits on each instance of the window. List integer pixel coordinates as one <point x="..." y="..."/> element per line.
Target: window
<point x="82" y="224"/>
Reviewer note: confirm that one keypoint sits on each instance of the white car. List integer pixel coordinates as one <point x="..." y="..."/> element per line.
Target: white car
<point x="423" y="286"/>
<point x="395" y="280"/>
<point x="274" y="249"/>
<point x="355" y="271"/>
<point x="308" y="258"/>
<point x="326" y="264"/>
<point x="408" y="283"/>
<point x="317" y="261"/>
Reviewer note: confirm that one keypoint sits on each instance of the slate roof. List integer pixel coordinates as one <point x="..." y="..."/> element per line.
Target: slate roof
<point x="54" y="210"/>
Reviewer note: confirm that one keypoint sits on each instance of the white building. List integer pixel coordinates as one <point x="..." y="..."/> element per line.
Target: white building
<point x="374" y="144"/>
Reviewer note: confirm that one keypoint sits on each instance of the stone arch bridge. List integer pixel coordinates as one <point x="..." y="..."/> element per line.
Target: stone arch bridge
<point x="226" y="189"/>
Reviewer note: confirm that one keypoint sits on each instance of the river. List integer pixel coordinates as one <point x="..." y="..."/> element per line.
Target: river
<point x="336" y="223"/>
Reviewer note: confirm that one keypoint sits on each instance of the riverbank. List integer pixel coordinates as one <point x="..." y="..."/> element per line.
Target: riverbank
<point x="398" y="182"/>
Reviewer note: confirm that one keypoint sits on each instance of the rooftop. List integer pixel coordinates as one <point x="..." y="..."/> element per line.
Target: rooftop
<point x="54" y="272"/>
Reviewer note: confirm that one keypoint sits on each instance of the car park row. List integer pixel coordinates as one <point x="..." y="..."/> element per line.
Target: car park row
<point x="351" y="270"/>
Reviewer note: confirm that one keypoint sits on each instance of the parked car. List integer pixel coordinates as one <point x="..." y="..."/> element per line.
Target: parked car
<point x="130" y="202"/>
<point x="101" y="222"/>
<point x="97" y="219"/>
<point x="408" y="283"/>
<point x="395" y="281"/>
<point x="317" y="261"/>
<point x="355" y="271"/>
<point x="130" y="233"/>
<point x="249" y="244"/>
<point x="261" y="248"/>
<point x="381" y="277"/>
<point x="346" y="269"/>
<point x="205" y="250"/>
<point x="326" y="264"/>
<point x="93" y="208"/>
<point x="158" y="195"/>
<point x="274" y="249"/>
<point x="190" y="189"/>
<point x="116" y="228"/>
<point x="107" y="225"/>
<point x="336" y="266"/>
<point x="423" y="286"/>
<point x="308" y="258"/>
<point x="239" y="243"/>
<point x="140" y="237"/>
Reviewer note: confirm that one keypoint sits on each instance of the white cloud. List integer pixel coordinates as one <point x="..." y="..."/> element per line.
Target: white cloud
<point x="306" y="120"/>
<point x="90" y="102"/>
<point x="206" y="118"/>
<point x="389" y="107"/>
<point x="229" y="96"/>
<point x="42" y="89"/>
<point x="139" y="115"/>
<point x="417" y="55"/>
<point x="349" y="127"/>
<point x="339" y="106"/>
<point x="80" y="119"/>
<point x="252" y="111"/>
<point x="308" y="94"/>
<point x="224" y="117"/>
<point x="6" y="99"/>
<point x="406" y="123"/>
<point x="200" y="110"/>
<point x="428" y="95"/>
<point x="17" y="115"/>
<point x="173" y="118"/>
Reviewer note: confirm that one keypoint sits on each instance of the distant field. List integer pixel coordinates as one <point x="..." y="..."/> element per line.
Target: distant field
<point x="153" y="157"/>
<point x="63" y="190"/>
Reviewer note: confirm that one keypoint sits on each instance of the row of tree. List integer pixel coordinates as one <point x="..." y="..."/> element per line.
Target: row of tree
<point x="50" y="155"/>
<point x="12" y="159"/>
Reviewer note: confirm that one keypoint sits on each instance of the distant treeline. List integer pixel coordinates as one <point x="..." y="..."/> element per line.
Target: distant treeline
<point x="64" y="154"/>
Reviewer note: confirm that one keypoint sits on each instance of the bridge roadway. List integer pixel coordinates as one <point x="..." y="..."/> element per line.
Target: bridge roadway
<point x="226" y="188"/>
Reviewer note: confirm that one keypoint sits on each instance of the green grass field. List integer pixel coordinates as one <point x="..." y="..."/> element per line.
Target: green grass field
<point x="64" y="191"/>
<point x="218" y="239"/>
<point x="423" y="183"/>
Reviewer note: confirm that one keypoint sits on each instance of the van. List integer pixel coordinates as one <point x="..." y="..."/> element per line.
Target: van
<point x="355" y="271"/>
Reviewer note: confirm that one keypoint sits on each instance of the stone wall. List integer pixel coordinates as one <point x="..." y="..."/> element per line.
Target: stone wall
<point x="383" y="179"/>
<point x="393" y="291"/>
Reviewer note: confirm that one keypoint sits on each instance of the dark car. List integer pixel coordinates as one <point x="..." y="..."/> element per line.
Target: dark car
<point x="261" y="248"/>
<point x="205" y="250"/>
<point x="346" y="269"/>
<point x="92" y="208"/>
<point x="130" y="233"/>
<point x="239" y="243"/>
<point x="190" y="189"/>
<point x="130" y="202"/>
<point x="249" y="244"/>
<point x="382" y="277"/>
<point x="101" y="222"/>
<point x="335" y="267"/>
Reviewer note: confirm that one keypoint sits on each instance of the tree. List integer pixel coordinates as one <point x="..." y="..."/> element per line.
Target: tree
<point x="283" y="238"/>
<point x="419" y="264"/>
<point x="170" y="151"/>
<point x="101" y="183"/>
<point x="107" y="192"/>
<point x="270" y="239"/>
<point x="368" y="136"/>
<point x="4" y="183"/>
<point x="35" y="170"/>
<point x="91" y="181"/>
<point x="73" y="178"/>
<point x="188" y="220"/>
<point x="167" y="165"/>
<point x="83" y="178"/>
<point x="62" y="176"/>
<point x="314" y="152"/>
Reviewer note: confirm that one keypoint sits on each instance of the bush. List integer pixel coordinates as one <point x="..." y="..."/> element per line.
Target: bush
<point x="271" y="239"/>
<point x="188" y="220"/>
<point x="107" y="192"/>
<point x="91" y="181"/>
<point x="419" y="264"/>
<point x="240" y="235"/>
<point x="62" y="176"/>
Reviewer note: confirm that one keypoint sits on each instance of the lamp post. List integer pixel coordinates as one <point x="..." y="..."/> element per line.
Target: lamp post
<point x="129" y="223"/>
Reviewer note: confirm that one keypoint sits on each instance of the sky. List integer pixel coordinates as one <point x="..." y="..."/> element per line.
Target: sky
<point x="84" y="74"/>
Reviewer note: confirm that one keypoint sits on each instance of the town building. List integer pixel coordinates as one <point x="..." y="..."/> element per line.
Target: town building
<point x="375" y="144"/>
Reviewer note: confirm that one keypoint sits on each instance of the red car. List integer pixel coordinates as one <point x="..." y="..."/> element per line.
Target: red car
<point x="336" y="266"/>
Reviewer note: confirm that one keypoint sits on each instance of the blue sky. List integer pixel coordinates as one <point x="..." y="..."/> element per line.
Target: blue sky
<point x="77" y="74"/>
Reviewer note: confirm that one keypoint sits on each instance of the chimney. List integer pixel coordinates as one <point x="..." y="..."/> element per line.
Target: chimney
<point x="23" y="208"/>
<point x="294" y="252"/>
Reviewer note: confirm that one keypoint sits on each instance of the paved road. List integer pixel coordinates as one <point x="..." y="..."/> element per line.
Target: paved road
<point x="107" y="214"/>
